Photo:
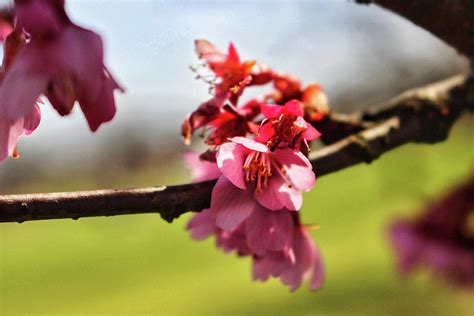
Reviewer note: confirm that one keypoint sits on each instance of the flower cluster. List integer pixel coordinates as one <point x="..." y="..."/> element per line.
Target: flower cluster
<point x="442" y="238"/>
<point x="46" y="54"/>
<point x="257" y="151"/>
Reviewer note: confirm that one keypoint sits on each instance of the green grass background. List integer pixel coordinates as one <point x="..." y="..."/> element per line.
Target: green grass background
<point x="141" y="265"/>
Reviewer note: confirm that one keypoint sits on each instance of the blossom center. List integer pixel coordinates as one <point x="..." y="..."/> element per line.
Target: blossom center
<point x="257" y="168"/>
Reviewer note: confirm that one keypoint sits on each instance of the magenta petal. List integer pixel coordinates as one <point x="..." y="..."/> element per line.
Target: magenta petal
<point x="250" y="144"/>
<point x="230" y="204"/>
<point x="210" y="53"/>
<point x="293" y="107"/>
<point x="201" y="170"/>
<point x="269" y="230"/>
<point x="317" y="279"/>
<point x="311" y="133"/>
<point x="274" y="263"/>
<point x="279" y="195"/>
<point x="230" y="160"/>
<point x="271" y="110"/>
<point x="265" y="132"/>
<point x="297" y="168"/>
<point x="38" y="17"/>
<point x="233" y="241"/>
<point x="5" y="30"/>
<point x="271" y="197"/>
<point x="32" y="120"/>
<point x="232" y="54"/>
<point x="23" y="83"/>
<point x="79" y="53"/>
<point x="102" y="109"/>
<point x="9" y="134"/>
<point x="304" y="254"/>
<point x="202" y="225"/>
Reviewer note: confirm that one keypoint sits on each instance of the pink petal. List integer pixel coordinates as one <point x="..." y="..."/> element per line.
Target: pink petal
<point x="233" y="56"/>
<point x="209" y="52"/>
<point x="201" y="170"/>
<point x="250" y="144"/>
<point x="317" y="279"/>
<point x="233" y="241"/>
<point x="61" y="94"/>
<point x="265" y="132"/>
<point x="102" y="109"/>
<point x="279" y="195"/>
<point x="297" y="168"/>
<point x="230" y="204"/>
<point x="5" y="30"/>
<point x="32" y="120"/>
<point x="23" y="83"/>
<point x="311" y="133"/>
<point x="38" y="17"/>
<point x="9" y="134"/>
<point x="202" y="225"/>
<point x="293" y="107"/>
<point x="271" y="110"/>
<point x="291" y="197"/>
<point x="274" y="263"/>
<point x="80" y="54"/>
<point x="304" y="254"/>
<point x="269" y="230"/>
<point x="230" y="160"/>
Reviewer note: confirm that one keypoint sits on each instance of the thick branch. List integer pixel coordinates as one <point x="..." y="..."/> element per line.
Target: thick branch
<point x="450" y="20"/>
<point x="421" y="115"/>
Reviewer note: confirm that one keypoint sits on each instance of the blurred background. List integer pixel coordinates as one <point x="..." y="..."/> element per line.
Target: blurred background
<point x="140" y="264"/>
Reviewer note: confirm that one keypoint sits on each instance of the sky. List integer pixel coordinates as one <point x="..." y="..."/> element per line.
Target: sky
<point x="350" y="49"/>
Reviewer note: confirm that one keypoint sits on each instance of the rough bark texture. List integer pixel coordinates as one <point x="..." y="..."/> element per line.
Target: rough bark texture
<point x="421" y="115"/>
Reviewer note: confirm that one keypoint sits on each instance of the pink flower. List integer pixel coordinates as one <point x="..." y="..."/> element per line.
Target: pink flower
<point x="10" y="131"/>
<point x="441" y="239"/>
<point x="62" y="61"/>
<point x="222" y="122"/>
<point x="285" y="125"/>
<point x="245" y="227"/>
<point x="277" y="178"/>
<point x="232" y="74"/>
<point x="292" y="265"/>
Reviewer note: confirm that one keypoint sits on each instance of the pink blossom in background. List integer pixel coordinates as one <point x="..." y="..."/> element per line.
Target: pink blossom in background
<point x="441" y="238"/>
<point x="10" y="131"/>
<point x="62" y="61"/>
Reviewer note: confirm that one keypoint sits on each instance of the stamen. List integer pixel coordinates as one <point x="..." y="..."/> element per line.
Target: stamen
<point x="257" y="167"/>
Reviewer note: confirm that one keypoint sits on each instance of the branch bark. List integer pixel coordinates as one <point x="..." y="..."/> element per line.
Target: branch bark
<point x="421" y="115"/>
<point x="450" y="20"/>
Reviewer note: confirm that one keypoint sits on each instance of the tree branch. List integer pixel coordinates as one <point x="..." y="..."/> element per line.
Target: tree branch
<point x="450" y="20"/>
<point x="421" y="115"/>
